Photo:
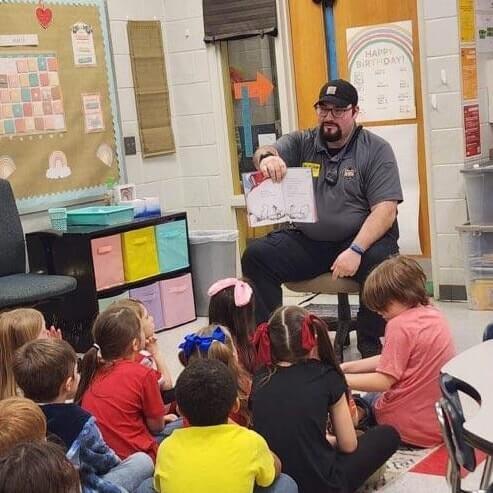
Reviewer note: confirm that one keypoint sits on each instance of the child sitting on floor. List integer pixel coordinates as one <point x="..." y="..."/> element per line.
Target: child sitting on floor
<point x="403" y="380"/>
<point x="232" y="305"/>
<point x="16" y="328"/>
<point x="291" y="398"/>
<point x="212" y="455"/>
<point x="21" y="420"/>
<point x="151" y="355"/>
<point x="122" y="394"/>
<point x="46" y="371"/>
<point x="215" y="342"/>
<point x="39" y="467"/>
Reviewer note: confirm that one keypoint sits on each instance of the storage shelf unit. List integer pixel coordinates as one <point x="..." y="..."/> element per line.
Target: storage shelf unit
<point x="73" y="253"/>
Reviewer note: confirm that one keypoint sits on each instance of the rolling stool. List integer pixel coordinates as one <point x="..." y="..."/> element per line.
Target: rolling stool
<point x="324" y="284"/>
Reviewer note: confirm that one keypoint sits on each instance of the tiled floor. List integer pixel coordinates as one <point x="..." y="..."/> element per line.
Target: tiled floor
<point x="467" y="328"/>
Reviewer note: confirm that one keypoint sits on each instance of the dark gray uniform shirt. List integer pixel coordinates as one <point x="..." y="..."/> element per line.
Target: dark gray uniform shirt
<point x="368" y="174"/>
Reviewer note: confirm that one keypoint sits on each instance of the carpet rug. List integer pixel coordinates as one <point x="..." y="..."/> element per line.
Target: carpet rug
<point x="400" y="463"/>
<point x="435" y="463"/>
<point x="327" y="310"/>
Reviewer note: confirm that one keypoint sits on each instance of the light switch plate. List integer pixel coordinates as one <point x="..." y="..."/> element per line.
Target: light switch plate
<point x="130" y="146"/>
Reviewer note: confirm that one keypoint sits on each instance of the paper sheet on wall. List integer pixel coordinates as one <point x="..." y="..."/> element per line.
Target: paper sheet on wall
<point x="381" y="67"/>
<point x="466" y="20"/>
<point x="484" y="31"/>
<point x="404" y="142"/>
<point x="484" y="4"/>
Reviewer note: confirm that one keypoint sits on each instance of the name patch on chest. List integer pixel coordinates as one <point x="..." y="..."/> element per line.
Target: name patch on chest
<point x="315" y="167"/>
<point x="349" y="173"/>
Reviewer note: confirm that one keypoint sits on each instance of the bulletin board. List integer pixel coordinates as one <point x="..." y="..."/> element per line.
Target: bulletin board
<point x="59" y="134"/>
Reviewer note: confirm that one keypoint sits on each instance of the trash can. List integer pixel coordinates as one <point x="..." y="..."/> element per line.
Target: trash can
<point x="213" y="255"/>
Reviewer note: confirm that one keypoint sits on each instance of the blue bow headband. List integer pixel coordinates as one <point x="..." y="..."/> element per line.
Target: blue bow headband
<point x="203" y="344"/>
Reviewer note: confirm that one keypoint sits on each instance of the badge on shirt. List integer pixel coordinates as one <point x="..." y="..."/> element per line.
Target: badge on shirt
<point x="349" y="173"/>
<point x="315" y="167"/>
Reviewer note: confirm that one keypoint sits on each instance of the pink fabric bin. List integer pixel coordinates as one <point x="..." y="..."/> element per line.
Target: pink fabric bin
<point x="151" y="297"/>
<point x="107" y="261"/>
<point x="177" y="301"/>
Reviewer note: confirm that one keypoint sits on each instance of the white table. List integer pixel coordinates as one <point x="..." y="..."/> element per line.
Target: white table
<point x="474" y="367"/>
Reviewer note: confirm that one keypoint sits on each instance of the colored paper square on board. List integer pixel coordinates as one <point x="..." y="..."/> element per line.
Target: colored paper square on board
<point x="56" y="93"/>
<point x="47" y="108"/>
<point x="39" y="124"/>
<point x="15" y="95"/>
<point x="9" y="126"/>
<point x="4" y="96"/>
<point x="54" y="79"/>
<point x="38" y="109"/>
<point x="4" y="81"/>
<point x="17" y="110"/>
<point x="32" y="64"/>
<point x="52" y="64"/>
<point x="25" y="94"/>
<point x="44" y="80"/>
<point x="20" y="125"/>
<point x="36" y="94"/>
<point x="46" y="93"/>
<point x="22" y="66"/>
<point x="2" y="128"/>
<point x="24" y="80"/>
<point x="7" y="111"/>
<point x="28" y="109"/>
<point x="42" y="63"/>
<point x="59" y="122"/>
<point x="49" y="123"/>
<point x="57" y="107"/>
<point x="33" y="80"/>
<point x="29" y="124"/>
<point x="13" y="80"/>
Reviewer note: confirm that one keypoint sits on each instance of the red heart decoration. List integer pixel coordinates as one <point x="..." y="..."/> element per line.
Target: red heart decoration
<point x="45" y="16"/>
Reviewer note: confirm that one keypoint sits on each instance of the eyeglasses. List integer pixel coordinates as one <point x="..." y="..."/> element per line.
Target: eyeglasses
<point x="336" y="112"/>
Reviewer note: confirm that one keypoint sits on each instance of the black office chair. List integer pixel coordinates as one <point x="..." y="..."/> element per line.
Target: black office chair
<point x="451" y="419"/>
<point x="18" y="288"/>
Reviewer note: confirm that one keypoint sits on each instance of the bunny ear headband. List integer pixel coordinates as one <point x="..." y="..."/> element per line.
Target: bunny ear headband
<point x="242" y="292"/>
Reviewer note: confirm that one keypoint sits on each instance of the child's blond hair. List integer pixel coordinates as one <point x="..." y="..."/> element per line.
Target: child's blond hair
<point x="21" y="420"/>
<point x="16" y="328"/>
<point x="398" y="278"/>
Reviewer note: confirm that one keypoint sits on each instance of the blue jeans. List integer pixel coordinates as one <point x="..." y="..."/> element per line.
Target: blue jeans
<point x="283" y="484"/>
<point x="132" y="472"/>
<point x="168" y="429"/>
<point x="370" y="398"/>
<point x="488" y="333"/>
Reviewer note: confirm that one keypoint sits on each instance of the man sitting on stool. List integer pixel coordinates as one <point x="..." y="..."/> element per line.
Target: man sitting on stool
<point x="357" y="189"/>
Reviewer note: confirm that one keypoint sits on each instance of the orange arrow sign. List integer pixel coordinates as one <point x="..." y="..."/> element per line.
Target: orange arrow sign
<point x="261" y="88"/>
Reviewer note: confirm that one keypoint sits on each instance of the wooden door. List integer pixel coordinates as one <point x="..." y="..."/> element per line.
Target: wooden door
<point x="354" y="13"/>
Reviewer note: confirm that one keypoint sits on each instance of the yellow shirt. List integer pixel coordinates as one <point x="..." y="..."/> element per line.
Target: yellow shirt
<point x="220" y="459"/>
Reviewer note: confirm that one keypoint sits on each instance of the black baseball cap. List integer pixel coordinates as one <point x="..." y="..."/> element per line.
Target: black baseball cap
<point x="338" y="92"/>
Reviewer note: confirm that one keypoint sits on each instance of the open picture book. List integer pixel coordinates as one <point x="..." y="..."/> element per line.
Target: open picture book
<point x="291" y="200"/>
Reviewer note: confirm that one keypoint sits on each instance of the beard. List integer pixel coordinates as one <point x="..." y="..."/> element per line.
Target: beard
<point x="330" y="132"/>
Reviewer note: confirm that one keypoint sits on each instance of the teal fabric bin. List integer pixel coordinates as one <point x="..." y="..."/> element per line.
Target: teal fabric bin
<point x="172" y="246"/>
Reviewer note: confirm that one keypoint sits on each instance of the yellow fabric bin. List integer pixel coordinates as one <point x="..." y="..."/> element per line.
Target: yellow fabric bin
<point x="139" y="254"/>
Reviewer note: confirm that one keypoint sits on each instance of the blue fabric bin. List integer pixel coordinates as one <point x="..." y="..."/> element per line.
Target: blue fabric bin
<point x="172" y="245"/>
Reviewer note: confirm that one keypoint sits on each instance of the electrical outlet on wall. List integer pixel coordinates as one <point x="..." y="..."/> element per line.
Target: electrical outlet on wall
<point x="130" y="146"/>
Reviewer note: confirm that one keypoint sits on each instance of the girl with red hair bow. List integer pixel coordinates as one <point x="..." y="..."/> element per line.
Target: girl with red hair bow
<point x="300" y="386"/>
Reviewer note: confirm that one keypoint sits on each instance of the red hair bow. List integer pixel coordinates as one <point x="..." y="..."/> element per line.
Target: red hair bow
<point x="308" y="341"/>
<point x="261" y="342"/>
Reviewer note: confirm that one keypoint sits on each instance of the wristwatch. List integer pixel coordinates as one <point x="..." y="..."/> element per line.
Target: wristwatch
<point x="357" y="249"/>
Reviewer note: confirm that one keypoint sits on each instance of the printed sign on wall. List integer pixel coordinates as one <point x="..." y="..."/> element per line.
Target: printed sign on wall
<point x="380" y="62"/>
